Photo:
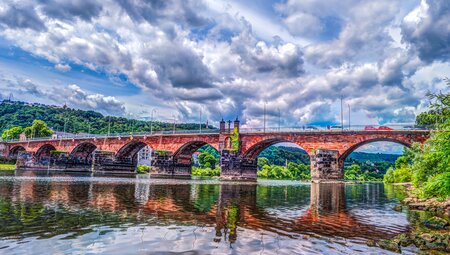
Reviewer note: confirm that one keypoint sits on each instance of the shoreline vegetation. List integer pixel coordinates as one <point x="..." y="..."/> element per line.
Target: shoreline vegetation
<point x="7" y="166"/>
<point x="427" y="169"/>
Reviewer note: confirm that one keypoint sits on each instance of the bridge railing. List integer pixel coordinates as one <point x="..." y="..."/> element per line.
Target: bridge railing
<point x="306" y="129"/>
<point x="316" y="128"/>
<point x="116" y="135"/>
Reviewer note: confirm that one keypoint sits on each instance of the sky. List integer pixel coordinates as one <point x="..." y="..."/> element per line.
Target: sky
<point x="296" y="58"/>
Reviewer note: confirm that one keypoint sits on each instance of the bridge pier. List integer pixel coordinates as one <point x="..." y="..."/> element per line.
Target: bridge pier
<point x="326" y="166"/>
<point x="166" y="167"/>
<point x="236" y="168"/>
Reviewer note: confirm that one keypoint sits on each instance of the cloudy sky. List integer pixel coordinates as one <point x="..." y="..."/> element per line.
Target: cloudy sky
<point x="228" y="58"/>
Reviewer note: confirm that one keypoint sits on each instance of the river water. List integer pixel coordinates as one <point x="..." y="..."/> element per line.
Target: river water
<point x="49" y="213"/>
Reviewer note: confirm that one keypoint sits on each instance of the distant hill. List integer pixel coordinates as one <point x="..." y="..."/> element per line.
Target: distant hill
<point x="373" y="157"/>
<point x="15" y="113"/>
<point x="278" y="155"/>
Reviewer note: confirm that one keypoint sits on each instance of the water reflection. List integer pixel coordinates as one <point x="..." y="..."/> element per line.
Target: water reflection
<point x="246" y="217"/>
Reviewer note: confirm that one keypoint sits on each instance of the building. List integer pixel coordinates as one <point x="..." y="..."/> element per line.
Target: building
<point x="145" y="156"/>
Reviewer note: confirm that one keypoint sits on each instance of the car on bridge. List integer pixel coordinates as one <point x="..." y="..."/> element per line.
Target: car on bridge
<point x="384" y="128"/>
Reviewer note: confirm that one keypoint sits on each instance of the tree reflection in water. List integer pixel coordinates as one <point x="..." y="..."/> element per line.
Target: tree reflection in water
<point x="73" y="206"/>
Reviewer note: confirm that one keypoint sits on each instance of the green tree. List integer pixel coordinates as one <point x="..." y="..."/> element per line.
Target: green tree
<point x="38" y="129"/>
<point x="207" y="160"/>
<point x="12" y="133"/>
<point x="262" y="162"/>
<point x="352" y="172"/>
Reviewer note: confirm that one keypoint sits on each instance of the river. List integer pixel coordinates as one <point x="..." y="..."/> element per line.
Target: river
<point x="54" y="213"/>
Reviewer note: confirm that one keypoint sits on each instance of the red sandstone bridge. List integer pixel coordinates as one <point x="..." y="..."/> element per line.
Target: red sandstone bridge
<point x="326" y="148"/>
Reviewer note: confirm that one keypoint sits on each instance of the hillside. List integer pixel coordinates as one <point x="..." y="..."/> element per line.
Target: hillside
<point x="277" y="155"/>
<point x="22" y="114"/>
<point x="373" y="157"/>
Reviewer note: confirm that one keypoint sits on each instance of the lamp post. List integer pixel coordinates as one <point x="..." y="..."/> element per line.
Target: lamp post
<point x="279" y="120"/>
<point x="200" y="126"/>
<point x="173" y="123"/>
<point x="342" y="116"/>
<point x="109" y="125"/>
<point x="151" y="121"/>
<point x="349" y="113"/>
<point x="264" y="129"/>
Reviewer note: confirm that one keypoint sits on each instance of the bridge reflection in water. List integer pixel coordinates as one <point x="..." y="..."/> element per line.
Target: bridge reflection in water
<point x="50" y="206"/>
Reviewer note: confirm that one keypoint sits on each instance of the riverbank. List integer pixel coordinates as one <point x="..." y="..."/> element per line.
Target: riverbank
<point x="434" y="205"/>
<point x="7" y="166"/>
<point x="431" y="230"/>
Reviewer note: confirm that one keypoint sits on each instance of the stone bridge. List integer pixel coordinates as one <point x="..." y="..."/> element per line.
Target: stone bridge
<point x="173" y="152"/>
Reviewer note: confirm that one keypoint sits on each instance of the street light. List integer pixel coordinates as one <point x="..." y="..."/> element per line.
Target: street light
<point x="342" y="116"/>
<point x="109" y="125"/>
<point x="279" y="119"/>
<point x="349" y="113"/>
<point x="264" y="116"/>
<point x="174" y="123"/>
<point x="200" y="119"/>
<point x="151" y="121"/>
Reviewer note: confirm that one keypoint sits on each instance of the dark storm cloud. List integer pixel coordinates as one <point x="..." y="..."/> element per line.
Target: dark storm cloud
<point x="181" y="67"/>
<point x="17" y="17"/>
<point x="68" y="10"/>
<point x="428" y="30"/>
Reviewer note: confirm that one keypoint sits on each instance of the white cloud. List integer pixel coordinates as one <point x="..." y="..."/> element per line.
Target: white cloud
<point x="183" y="55"/>
<point x="62" y="67"/>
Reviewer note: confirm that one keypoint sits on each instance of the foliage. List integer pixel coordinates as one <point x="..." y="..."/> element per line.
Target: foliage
<point x="207" y="160"/>
<point x="7" y="166"/>
<point x="262" y="161"/>
<point x="292" y="172"/>
<point x="197" y="171"/>
<point x="358" y="156"/>
<point x="38" y="129"/>
<point x="355" y="173"/>
<point x="428" y="166"/>
<point x="234" y="137"/>
<point x="78" y="121"/>
<point x="439" y="111"/>
<point x="432" y="163"/>
<point x="162" y="152"/>
<point x="143" y="169"/>
<point x="437" y="186"/>
<point x="12" y="133"/>
<point x="278" y="155"/>
<point x="400" y="172"/>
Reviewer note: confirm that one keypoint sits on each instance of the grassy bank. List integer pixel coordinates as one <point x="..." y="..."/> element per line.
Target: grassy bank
<point x="7" y="166"/>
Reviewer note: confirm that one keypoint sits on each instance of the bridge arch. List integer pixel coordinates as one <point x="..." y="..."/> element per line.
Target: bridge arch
<point x="83" y="152"/>
<point x="355" y="146"/>
<point x="184" y="154"/>
<point x="45" y="150"/>
<point x="256" y="149"/>
<point x="14" y="151"/>
<point x="44" y="153"/>
<point x="130" y="150"/>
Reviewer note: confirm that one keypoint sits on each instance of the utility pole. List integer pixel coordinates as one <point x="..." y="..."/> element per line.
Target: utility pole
<point x="151" y="121"/>
<point x="200" y="126"/>
<point x="342" y="116"/>
<point x="279" y="119"/>
<point x="349" y="114"/>
<point x="264" y="116"/>
<point x="173" y="124"/>
<point x="109" y="125"/>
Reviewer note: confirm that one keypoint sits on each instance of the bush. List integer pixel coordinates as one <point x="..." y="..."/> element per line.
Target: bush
<point x="437" y="186"/>
<point x="197" y="171"/>
<point x="389" y="176"/>
<point x="142" y="169"/>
